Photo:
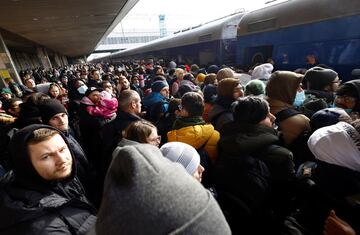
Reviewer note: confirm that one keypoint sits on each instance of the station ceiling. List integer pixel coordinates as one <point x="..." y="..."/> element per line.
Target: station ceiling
<point x="70" y="27"/>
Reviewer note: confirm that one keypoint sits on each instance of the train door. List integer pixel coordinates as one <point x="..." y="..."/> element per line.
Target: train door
<point x="206" y="57"/>
<point x="255" y="55"/>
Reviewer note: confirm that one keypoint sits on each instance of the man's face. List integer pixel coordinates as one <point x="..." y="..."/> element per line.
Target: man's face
<point x="6" y="96"/>
<point x="15" y="110"/>
<point x="51" y="158"/>
<point x="345" y="101"/>
<point x="136" y="105"/>
<point x="124" y="84"/>
<point x="30" y="83"/>
<point x="60" y="121"/>
<point x="165" y="92"/>
<point x="96" y="75"/>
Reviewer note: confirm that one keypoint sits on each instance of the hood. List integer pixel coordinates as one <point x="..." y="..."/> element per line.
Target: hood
<point x="142" y="185"/>
<point x="338" y="144"/>
<point x="246" y="139"/>
<point x="283" y="86"/>
<point x="153" y="98"/>
<point x="24" y="171"/>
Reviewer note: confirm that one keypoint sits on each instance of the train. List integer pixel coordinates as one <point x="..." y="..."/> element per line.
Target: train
<point x="292" y="34"/>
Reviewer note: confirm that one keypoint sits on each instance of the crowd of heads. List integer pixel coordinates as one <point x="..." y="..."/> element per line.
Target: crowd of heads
<point x="189" y="112"/>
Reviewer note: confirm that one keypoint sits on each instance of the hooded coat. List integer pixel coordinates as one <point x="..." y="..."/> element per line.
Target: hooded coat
<point x="281" y="91"/>
<point x="251" y="174"/>
<point x="33" y="205"/>
<point x="145" y="193"/>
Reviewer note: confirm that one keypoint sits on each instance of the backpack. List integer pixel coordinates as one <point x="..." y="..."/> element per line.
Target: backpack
<point x="155" y="112"/>
<point x="285" y="114"/>
<point x="299" y="146"/>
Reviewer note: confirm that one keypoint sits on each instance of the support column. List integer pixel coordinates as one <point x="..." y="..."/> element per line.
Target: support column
<point x="7" y="66"/>
<point x="64" y="59"/>
<point x="44" y="58"/>
<point x="58" y="60"/>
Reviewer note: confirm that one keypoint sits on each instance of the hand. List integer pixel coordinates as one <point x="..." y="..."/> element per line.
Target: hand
<point x="336" y="226"/>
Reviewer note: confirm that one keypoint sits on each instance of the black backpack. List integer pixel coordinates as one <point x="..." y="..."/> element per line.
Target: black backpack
<point x="299" y="146"/>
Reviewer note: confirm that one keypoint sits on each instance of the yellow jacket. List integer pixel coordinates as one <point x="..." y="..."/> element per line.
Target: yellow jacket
<point x="197" y="136"/>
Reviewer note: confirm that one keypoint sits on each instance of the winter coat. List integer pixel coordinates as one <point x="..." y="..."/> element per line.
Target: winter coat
<point x="151" y="103"/>
<point x="220" y="113"/>
<point x="292" y="127"/>
<point x="198" y="136"/>
<point x="251" y="170"/>
<point x="111" y="134"/>
<point x="281" y="90"/>
<point x="90" y="127"/>
<point x="33" y="205"/>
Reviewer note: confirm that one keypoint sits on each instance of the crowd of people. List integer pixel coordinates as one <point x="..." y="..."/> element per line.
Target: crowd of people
<point x="153" y="147"/>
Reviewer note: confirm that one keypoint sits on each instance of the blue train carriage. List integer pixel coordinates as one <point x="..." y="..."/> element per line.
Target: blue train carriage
<point x="302" y="33"/>
<point x="213" y="42"/>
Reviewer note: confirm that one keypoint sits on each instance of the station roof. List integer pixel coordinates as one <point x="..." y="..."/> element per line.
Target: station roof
<point x="70" y="27"/>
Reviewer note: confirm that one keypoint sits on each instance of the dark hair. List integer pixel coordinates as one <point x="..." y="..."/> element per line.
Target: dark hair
<point x="174" y="105"/>
<point x="251" y="110"/>
<point x="9" y="104"/>
<point x="193" y="103"/>
<point x="189" y="77"/>
<point x="138" y="131"/>
<point x="347" y="89"/>
<point x="93" y="71"/>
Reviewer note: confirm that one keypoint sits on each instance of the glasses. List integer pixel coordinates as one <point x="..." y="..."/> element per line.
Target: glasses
<point x="156" y="139"/>
<point x="345" y="98"/>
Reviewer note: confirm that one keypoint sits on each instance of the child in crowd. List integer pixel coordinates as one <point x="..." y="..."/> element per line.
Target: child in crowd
<point x="102" y="103"/>
<point x="57" y="92"/>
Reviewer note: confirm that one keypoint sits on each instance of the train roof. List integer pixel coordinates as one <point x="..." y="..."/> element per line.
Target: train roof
<point x="207" y="32"/>
<point x="295" y="12"/>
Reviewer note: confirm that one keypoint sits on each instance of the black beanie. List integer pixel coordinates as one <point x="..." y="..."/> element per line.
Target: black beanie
<point x="49" y="108"/>
<point x="318" y="78"/>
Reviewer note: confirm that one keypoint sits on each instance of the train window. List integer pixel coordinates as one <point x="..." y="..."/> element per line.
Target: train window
<point x="204" y="38"/>
<point x="262" y="25"/>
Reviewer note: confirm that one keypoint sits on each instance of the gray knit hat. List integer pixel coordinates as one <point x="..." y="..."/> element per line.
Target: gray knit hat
<point x="182" y="153"/>
<point x="144" y="193"/>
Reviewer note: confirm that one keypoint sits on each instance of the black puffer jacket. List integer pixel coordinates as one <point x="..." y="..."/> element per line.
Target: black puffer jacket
<point x="33" y="205"/>
<point x="251" y="171"/>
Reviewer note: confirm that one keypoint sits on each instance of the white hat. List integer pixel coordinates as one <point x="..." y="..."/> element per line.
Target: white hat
<point x="338" y="144"/>
<point x="262" y="72"/>
<point x="182" y="153"/>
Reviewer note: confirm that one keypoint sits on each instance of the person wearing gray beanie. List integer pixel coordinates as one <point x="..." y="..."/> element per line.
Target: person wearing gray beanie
<point x="321" y="83"/>
<point x="186" y="155"/>
<point x="144" y="193"/>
